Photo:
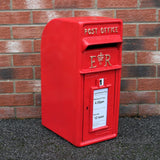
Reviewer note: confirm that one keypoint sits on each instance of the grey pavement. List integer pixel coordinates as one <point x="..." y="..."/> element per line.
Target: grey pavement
<point x="138" y="139"/>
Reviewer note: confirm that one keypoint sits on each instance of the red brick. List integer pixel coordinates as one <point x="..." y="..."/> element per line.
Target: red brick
<point x="128" y="85"/>
<point x="37" y="45"/>
<point x="26" y="60"/>
<point x="149" y="84"/>
<point x="5" y="60"/>
<point x="149" y="3"/>
<point x="23" y="73"/>
<point x="7" y="112"/>
<point x="6" y="87"/>
<point x="37" y="72"/>
<point x="139" y="44"/>
<point x="16" y="73"/>
<point x="149" y="30"/>
<point x="46" y="16"/>
<point x="128" y="57"/>
<point x="4" y="4"/>
<point x="148" y="57"/>
<point x="117" y="4"/>
<point x="38" y="99"/>
<point x="28" y="112"/>
<point x="16" y="100"/>
<point x="129" y="30"/>
<point x="28" y="86"/>
<point x="15" y="46"/>
<point x="30" y="4"/>
<point x="74" y="4"/>
<point x="138" y="71"/>
<point x="27" y="32"/>
<point x="5" y="33"/>
<point x="149" y="109"/>
<point x="102" y="13"/>
<point x="142" y="15"/>
<point x="15" y="17"/>
<point x="137" y="97"/>
<point x="128" y="110"/>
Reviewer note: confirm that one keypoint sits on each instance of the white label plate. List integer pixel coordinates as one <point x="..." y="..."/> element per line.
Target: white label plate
<point x="100" y="101"/>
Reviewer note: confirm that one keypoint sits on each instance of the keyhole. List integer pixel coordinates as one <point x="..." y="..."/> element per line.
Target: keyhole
<point x="87" y="107"/>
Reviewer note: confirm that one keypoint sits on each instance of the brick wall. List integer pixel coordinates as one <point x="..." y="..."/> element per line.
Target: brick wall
<point x="21" y="26"/>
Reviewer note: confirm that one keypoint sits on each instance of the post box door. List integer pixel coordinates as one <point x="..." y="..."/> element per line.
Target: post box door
<point x="99" y="91"/>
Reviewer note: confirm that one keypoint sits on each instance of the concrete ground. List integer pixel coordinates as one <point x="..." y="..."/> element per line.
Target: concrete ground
<point x="138" y="139"/>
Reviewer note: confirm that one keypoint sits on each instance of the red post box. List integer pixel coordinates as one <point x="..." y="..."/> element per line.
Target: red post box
<point x="81" y="68"/>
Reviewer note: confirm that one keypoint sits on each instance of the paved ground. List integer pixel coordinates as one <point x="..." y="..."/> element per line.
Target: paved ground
<point x="138" y="139"/>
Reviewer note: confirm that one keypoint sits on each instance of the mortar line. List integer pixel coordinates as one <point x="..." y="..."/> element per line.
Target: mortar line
<point x="11" y="32"/>
<point x="124" y="65"/>
<point x="53" y="4"/>
<point x="24" y="93"/>
<point x="73" y="13"/>
<point x="141" y="91"/>
<point x="136" y="84"/>
<point x="137" y="30"/>
<point x="32" y="41"/>
<point x="11" y="8"/>
<point x="157" y="14"/>
<point x="33" y="72"/>
<point x="134" y="78"/>
<point x="21" y="106"/>
<point x="69" y="9"/>
<point x="30" y="93"/>
<point x="138" y="4"/>
<point x="20" y="53"/>
<point x="43" y="24"/>
<point x="12" y="63"/>
<point x="115" y="13"/>
<point x="95" y="4"/>
<point x="14" y="87"/>
<point x="20" y="80"/>
<point x="29" y="66"/>
<point x="157" y="44"/>
<point x="31" y="16"/>
<point x="145" y="64"/>
<point x="14" y="84"/>
<point x="135" y="58"/>
<point x="131" y="37"/>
